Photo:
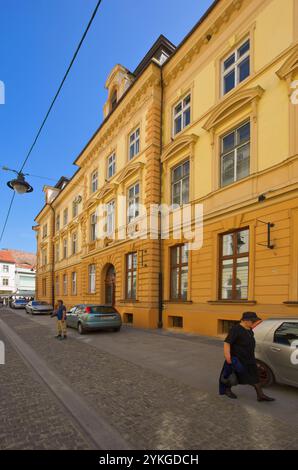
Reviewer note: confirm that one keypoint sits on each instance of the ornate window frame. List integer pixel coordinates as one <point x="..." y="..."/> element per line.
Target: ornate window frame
<point x="236" y="222"/>
<point x="289" y="73"/>
<point x="234" y="109"/>
<point x="111" y="154"/>
<point x="133" y="131"/>
<point x="181" y="149"/>
<point x="233" y="43"/>
<point x="189" y="106"/>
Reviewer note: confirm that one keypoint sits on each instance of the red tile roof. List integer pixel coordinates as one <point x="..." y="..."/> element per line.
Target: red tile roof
<point x="25" y="266"/>
<point x="20" y="258"/>
<point x="6" y="256"/>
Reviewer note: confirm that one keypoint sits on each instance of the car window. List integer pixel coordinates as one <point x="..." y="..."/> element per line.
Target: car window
<point x="102" y="309"/>
<point x="286" y="333"/>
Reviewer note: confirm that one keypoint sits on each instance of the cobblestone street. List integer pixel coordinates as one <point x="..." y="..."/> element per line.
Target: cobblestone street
<point x="136" y="388"/>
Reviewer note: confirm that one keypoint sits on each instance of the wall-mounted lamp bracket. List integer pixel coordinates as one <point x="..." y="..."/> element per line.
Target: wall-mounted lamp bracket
<point x="269" y="227"/>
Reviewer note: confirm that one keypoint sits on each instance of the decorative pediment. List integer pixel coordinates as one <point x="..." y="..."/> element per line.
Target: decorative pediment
<point x="184" y="142"/>
<point x="290" y="66"/>
<point x="106" y="189"/>
<point x="130" y="170"/>
<point x="231" y="104"/>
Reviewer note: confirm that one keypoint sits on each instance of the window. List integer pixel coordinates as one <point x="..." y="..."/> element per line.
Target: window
<point x="133" y="202"/>
<point x="58" y="222"/>
<point x="57" y="286"/>
<point x="179" y="272"/>
<point x="175" y="322"/>
<point x="180" y="184"/>
<point x="94" y="181"/>
<point x="93" y="227"/>
<point x="113" y="100"/>
<point x="5" y="281"/>
<point x="92" y="278"/>
<point x="64" y="248"/>
<point x="110" y="218"/>
<point x="44" y="257"/>
<point x="74" y="243"/>
<point x="64" y="284"/>
<point x="134" y="143"/>
<point x="286" y="333"/>
<point x="131" y="276"/>
<point x="65" y="216"/>
<point x="111" y="169"/>
<point x="224" y="326"/>
<point x="57" y="252"/>
<point x="44" y="287"/>
<point x="181" y="115"/>
<point x="233" y="265"/>
<point x="235" y="155"/>
<point x="128" y="318"/>
<point x="236" y="67"/>
<point x="45" y="231"/>
<point x="5" y="268"/>
<point x="74" y="283"/>
<point x="75" y="208"/>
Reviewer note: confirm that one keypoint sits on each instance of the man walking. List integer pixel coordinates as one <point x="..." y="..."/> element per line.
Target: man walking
<point x="61" y="320"/>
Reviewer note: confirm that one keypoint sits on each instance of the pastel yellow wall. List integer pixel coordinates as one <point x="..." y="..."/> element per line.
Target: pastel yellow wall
<point x="263" y="98"/>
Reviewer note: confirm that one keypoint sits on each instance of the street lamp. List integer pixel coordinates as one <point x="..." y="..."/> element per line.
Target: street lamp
<point x="19" y="184"/>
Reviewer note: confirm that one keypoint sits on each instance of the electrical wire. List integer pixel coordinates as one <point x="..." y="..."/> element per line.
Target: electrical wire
<point x="7" y="215"/>
<point x="50" y="108"/>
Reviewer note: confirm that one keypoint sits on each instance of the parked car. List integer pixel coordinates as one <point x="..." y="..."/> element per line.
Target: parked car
<point x="93" y="317"/>
<point x="39" y="307"/>
<point x="276" y="350"/>
<point x="19" y="303"/>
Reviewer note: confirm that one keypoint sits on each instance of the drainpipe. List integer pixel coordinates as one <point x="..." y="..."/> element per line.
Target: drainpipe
<point x="53" y="255"/>
<point x="160" y="277"/>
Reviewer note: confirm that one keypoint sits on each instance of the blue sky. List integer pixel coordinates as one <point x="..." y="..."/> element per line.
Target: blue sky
<point x="37" y="41"/>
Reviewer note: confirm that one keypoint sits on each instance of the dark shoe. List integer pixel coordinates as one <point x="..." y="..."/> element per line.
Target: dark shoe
<point x="58" y="336"/>
<point x="230" y="394"/>
<point x="265" y="398"/>
<point x="65" y="337"/>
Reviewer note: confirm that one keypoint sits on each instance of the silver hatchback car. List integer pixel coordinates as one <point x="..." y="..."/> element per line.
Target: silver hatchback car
<point x="277" y="350"/>
<point x="86" y="317"/>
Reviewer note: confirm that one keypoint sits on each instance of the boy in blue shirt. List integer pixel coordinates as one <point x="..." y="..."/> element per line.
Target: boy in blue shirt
<point x="61" y="320"/>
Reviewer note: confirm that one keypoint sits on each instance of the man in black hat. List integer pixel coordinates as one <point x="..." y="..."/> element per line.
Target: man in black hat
<point x="239" y="346"/>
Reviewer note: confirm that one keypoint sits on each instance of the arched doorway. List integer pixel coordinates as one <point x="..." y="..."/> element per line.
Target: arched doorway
<point x="110" y="285"/>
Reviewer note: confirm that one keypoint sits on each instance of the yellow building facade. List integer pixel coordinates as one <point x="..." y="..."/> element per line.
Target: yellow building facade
<point x="210" y="124"/>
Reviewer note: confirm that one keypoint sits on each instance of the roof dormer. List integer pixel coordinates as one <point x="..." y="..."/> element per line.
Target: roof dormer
<point x="117" y="83"/>
<point x="51" y="192"/>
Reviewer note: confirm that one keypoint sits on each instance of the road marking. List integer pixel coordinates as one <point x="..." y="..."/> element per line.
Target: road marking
<point x="98" y="429"/>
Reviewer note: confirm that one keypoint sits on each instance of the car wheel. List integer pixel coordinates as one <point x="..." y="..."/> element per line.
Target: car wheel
<point x="265" y="374"/>
<point x="116" y="329"/>
<point x="81" y="330"/>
